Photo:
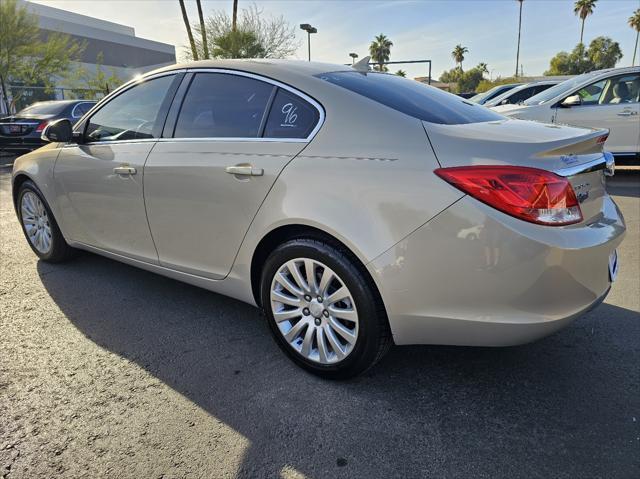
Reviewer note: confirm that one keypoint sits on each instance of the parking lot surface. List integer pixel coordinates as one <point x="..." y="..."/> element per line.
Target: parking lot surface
<point x="110" y="371"/>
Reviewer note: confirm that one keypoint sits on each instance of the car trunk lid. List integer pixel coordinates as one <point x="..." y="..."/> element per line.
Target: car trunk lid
<point x="575" y="153"/>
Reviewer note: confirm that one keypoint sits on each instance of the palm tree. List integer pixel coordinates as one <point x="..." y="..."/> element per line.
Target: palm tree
<point x="634" y="22"/>
<point x="380" y="50"/>
<point x="458" y="54"/>
<point x="194" y="52"/>
<point x="519" y="31"/>
<point x="401" y="73"/>
<point x="203" y="31"/>
<point x="234" y="18"/>
<point x="583" y="8"/>
<point x="483" y="67"/>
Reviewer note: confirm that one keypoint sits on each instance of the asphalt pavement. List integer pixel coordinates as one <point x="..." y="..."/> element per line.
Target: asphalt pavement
<point x="111" y="371"/>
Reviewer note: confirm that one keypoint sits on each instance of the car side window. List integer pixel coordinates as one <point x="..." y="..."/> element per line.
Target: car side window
<point x="222" y="105"/>
<point x="521" y="95"/>
<point x="84" y="108"/>
<point x="623" y="89"/>
<point x="131" y="115"/>
<point x="590" y="94"/>
<point x="290" y="117"/>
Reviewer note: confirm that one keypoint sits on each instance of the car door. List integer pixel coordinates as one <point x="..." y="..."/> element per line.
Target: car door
<point x="99" y="179"/>
<point x="232" y="135"/>
<point x="608" y="103"/>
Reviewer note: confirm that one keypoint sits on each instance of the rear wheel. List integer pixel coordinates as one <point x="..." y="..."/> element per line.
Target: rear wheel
<point x="40" y="227"/>
<point x="323" y="310"/>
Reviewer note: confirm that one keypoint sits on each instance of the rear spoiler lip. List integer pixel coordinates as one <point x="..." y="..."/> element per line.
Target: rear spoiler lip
<point x="606" y="162"/>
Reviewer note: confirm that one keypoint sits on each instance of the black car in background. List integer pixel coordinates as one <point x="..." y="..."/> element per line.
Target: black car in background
<point x="21" y="132"/>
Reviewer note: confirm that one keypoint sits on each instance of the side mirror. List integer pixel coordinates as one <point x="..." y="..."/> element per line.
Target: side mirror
<point x="573" y="100"/>
<point x="58" y="131"/>
<point x="505" y="101"/>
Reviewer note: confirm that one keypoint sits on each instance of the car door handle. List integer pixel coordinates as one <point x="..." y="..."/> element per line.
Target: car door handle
<point x="244" y="170"/>
<point x="627" y="113"/>
<point x="125" y="170"/>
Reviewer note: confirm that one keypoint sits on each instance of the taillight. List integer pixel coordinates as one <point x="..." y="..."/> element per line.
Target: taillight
<point x="533" y="195"/>
<point x="41" y="126"/>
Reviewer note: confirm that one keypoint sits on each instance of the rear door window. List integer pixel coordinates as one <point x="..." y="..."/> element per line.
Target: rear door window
<point x="290" y="117"/>
<point x="221" y="105"/>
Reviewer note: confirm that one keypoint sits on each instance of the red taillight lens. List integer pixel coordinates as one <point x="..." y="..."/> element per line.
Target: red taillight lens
<point x="533" y="195"/>
<point x="41" y="126"/>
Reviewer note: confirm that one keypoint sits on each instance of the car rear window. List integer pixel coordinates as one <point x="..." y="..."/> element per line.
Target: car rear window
<point x="411" y="97"/>
<point x="43" y="108"/>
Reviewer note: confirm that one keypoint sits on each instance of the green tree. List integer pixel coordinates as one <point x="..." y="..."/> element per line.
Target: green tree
<point x="603" y="52"/>
<point x="519" y="31"/>
<point x="401" y="73"/>
<point x="485" y="85"/>
<point x="458" y="54"/>
<point x="465" y="81"/>
<point x="634" y="22"/>
<point x="92" y="85"/>
<point x="583" y="8"/>
<point x="483" y="67"/>
<point x="24" y="57"/>
<point x="380" y="51"/>
<point x="276" y="37"/>
<point x="237" y="44"/>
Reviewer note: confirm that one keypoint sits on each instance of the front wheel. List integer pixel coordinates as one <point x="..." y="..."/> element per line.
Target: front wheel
<point x="40" y="227"/>
<point x="323" y="310"/>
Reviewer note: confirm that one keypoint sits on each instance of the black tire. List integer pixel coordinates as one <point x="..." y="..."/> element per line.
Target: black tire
<point x="60" y="251"/>
<point x="374" y="336"/>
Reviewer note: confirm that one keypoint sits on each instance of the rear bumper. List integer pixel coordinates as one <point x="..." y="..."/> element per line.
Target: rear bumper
<point x="20" y="143"/>
<point x="474" y="276"/>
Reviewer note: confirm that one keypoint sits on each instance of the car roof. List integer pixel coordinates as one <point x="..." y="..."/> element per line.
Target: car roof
<point x="262" y="66"/>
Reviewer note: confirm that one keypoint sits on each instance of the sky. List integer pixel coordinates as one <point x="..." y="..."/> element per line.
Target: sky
<point x="419" y="29"/>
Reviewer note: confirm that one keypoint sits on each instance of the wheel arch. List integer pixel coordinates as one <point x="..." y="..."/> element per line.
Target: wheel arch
<point x="284" y="233"/>
<point x="17" y="182"/>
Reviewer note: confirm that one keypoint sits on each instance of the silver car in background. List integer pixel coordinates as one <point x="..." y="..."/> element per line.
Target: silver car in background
<point x="600" y="99"/>
<point x="519" y="94"/>
<point x="357" y="209"/>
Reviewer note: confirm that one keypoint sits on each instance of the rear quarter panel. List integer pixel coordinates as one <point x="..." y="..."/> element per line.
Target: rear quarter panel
<point x="366" y="179"/>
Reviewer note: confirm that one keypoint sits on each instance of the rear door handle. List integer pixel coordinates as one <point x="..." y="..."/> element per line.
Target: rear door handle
<point x="125" y="170"/>
<point x="244" y="170"/>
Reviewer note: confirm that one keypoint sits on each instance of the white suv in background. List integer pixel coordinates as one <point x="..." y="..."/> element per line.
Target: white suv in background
<point x="600" y="99"/>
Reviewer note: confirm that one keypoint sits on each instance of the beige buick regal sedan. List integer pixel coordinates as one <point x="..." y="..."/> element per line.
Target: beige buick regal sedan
<point x="357" y="209"/>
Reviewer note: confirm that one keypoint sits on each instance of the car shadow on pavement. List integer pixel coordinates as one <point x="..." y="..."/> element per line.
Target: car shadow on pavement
<point x="561" y="404"/>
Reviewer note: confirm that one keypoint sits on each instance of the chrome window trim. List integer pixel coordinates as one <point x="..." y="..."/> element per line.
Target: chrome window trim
<point x="232" y="139"/>
<point x="284" y="86"/>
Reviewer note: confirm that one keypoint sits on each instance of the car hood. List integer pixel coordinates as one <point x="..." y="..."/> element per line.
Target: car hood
<point x="515" y="142"/>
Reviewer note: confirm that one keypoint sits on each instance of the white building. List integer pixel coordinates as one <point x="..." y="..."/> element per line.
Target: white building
<point x="122" y="52"/>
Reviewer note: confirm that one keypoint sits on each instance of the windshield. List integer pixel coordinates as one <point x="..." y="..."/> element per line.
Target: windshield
<point x="43" y="108"/>
<point x="482" y="98"/>
<point x="557" y="90"/>
<point x="412" y="97"/>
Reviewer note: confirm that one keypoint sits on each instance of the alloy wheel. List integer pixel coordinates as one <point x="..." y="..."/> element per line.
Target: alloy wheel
<point x="36" y="222"/>
<point x="314" y="310"/>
